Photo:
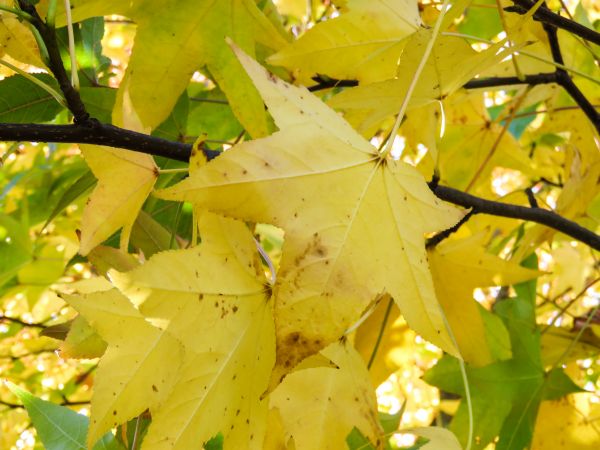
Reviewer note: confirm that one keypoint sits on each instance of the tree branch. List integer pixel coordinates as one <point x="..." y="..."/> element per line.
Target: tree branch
<point x="55" y="64"/>
<point x="537" y="215"/>
<point x="532" y="80"/>
<point x="16" y="320"/>
<point x="546" y="16"/>
<point x="564" y="80"/>
<point x="94" y="132"/>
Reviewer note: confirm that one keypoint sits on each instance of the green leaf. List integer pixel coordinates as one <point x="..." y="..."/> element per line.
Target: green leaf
<point x="481" y="21"/>
<point x="22" y="101"/>
<point x="81" y="186"/>
<point x="99" y="102"/>
<point x="174" y="126"/>
<point x="15" y="248"/>
<point x="58" y="427"/>
<point x="210" y="113"/>
<point x="558" y="384"/>
<point x="149" y="236"/>
<point x="88" y="36"/>
<point x="357" y="441"/>
<point x="512" y="389"/>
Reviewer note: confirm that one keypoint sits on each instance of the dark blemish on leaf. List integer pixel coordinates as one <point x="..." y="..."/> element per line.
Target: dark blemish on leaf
<point x="200" y="296"/>
<point x="237" y="413"/>
<point x="154" y="388"/>
<point x="114" y="412"/>
<point x="234" y="309"/>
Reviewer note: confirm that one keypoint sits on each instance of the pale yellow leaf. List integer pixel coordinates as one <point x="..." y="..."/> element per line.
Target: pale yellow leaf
<point x="567" y="424"/>
<point x="363" y="43"/>
<point x="214" y="300"/>
<point x="354" y="221"/>
<point x="320" y="406"/>
<point x="276" y="437"/>
<point x="139" y="367"/>
<point x="82" y="341"/>
<point x="439" y="438"/>
<point x="458" y="267"/>
<point x="17" y="41"/>
<point x="125" y="179"/>
<point x="396" y="346"/>
<point x="367" y="105"/>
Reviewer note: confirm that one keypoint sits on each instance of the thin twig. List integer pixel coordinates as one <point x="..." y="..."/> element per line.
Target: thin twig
<point x="546" y="16"/>
<point x="18" y="321"/>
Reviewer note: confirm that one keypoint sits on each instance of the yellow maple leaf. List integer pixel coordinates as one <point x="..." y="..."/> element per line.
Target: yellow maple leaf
<point x="354" y="220"/>
<point x="363" y="43"/>
<point x="125" y="179"/>
<point x="394" y="345"/>
<point x="458" y="267"/>
<point x="139" y="366"/>
<point x="567" y="423"/>
<point x="214" y="300"/>
<point x="320" y="406"/>
<point x="17" y="40"/>
<point x="367" y="105"/>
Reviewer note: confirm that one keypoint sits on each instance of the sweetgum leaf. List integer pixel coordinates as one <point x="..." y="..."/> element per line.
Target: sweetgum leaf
<point x="354" y="221"/>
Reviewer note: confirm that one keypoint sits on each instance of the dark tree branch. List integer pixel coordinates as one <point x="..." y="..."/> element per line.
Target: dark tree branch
<point x="94" y="132"/>
<point x="85" y="130"/>
<point x="324" y="82"/>
<point x="55" y="64"/>
<point x="564" y="80"/>
<point x="537" y="215"/>
<point x="531" y="80"/>
<point x="546" y="16"/>
<point x="439" y="237"/>
<point x="531" y="198"/>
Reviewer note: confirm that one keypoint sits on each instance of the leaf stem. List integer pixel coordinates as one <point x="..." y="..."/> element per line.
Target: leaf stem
<point x="178" y="170"/>
<point x="17" y="12"/>
<point x="71" y="36"/>
<point x="415" y="79"/>
<point x="57" y="96"/>
<point x="380" y="334"/>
